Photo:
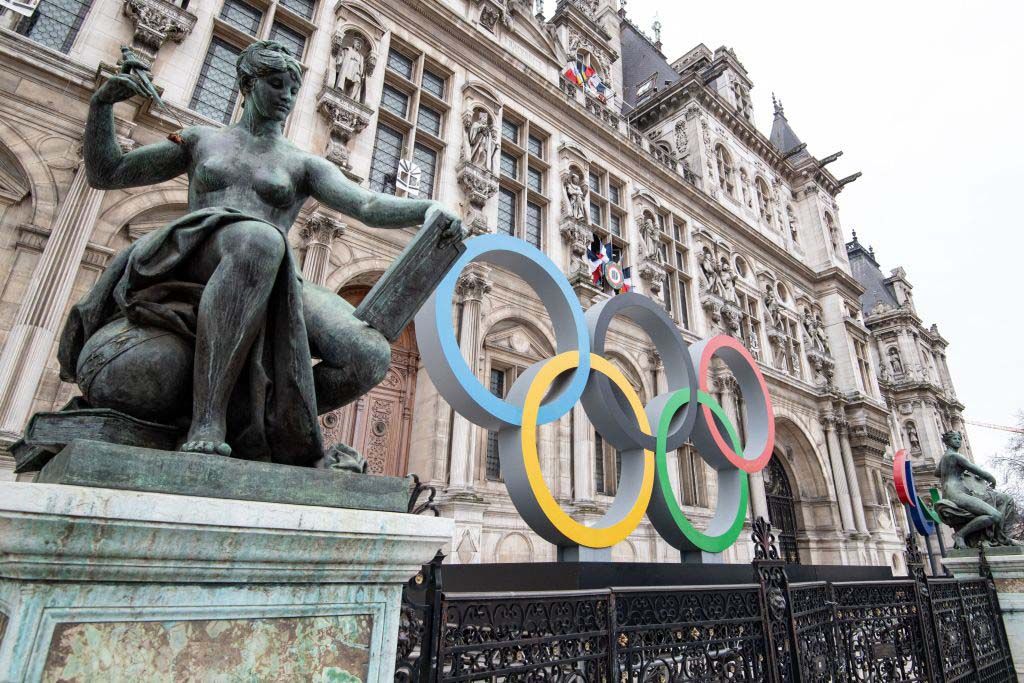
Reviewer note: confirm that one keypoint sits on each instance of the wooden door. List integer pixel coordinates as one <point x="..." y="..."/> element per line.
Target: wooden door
<point x="379" y="424"/>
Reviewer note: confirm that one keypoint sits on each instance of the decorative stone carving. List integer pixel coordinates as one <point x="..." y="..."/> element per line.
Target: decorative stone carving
<point x="578" y="237"/>
<point x="474" y="282"/>
<point x="649" y="243"/>
<point x="728" y="278"/>
<point x="773" y="310"/>
<point x="710" y="281"/>
<point x="320" y="228"/>
<point x="814" y="334"/>
<point x="478" y="185"/>
<point x="588" y="7"/>
<point x="653" y="273"/>
<point x="156" y="22"/>
<point x="346" y="118"/>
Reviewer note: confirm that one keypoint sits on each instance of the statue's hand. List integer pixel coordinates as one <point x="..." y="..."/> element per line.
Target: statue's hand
<point x="454" y="229"/>
<point x="118" y="89"/>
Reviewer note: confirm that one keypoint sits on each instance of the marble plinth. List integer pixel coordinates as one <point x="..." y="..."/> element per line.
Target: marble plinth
<point x="102" y="584"/>
<point x="1007" y="565"/>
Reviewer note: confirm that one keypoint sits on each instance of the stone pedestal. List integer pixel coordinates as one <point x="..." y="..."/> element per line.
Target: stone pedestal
<point x="1007" y="566"/>
<point x="100" y="583"/>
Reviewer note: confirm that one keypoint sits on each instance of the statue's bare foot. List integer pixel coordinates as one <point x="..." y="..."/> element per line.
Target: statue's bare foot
<point x="208" y="447"/>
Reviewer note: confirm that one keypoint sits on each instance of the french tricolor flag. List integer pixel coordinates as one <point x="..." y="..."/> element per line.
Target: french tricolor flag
<point x="595" y="260"/>
<point x="627" y="278"/>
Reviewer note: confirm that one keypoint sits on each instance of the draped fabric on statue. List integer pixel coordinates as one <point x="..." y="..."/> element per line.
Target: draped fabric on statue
<point x="272" y="416"/>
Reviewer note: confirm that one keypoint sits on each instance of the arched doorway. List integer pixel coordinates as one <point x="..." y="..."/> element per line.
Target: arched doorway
<point x="379" y="424"/>
<point x="781" y="509"/>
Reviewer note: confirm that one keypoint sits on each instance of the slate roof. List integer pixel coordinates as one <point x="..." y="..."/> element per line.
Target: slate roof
<point x="867" y="272"/>
<point x="641" y="60"/>
<point x="783" y="138"/>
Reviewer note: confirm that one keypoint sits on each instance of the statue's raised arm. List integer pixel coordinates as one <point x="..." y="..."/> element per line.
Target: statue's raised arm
<point x="110" y="169"/>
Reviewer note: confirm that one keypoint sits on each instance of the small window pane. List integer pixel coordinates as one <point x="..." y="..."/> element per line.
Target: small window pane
<point x="400" y="64"/>
<point x="667" y="291"/>
<point x="684" y="315"/>
<point x="303" y="8"/>
<point x="536" y="146"/>
<point x="242" y="16"/>
<point x="614" y="194"/>
<point x="616" y="225"/>
<point x="510" y="131"/>
<point x="426" y="159"/>
<point x="534" y="223"/>
<point x="55" y="23"/>
<point x="535" y="180"/>
<point x="509" y="165"/>
<point x="676" y="232"/>
<point x="387" y="152"/>
<point x="680" y="260"/>
<point x="433" y="84"/>
<point x="493" y="461"/>
<point x="217" y="90"/>
<point x="395" y="101"/>
<point x="598" y="463"/>
<point x="506" y="211"/>
<point x="429" y="120"/>
<point x="595" y="182"/>
<point x="293" y="40"/>
<point x="595" y="214"/>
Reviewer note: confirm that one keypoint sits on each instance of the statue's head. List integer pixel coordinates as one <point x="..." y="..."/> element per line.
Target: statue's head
<point x="481" y="116"/>
<point x="953" y="439"/>
<point x="269" y="77"/>
<point x="357" y="43"/>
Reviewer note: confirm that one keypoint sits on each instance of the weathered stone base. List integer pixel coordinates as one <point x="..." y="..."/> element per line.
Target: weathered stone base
<point x="97" y="584"/>
<point x="1007" y="565"/>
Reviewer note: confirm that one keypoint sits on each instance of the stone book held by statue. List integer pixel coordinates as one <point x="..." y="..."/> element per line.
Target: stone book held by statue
<point x="407" y="283"/>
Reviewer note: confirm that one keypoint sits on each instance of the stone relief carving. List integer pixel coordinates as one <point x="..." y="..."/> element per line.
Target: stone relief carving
<point x="649" y="243"/>
<point x="773" y="310"/>
<point x="895" y="361"/>
<point x="475" y="172"/>
<point x="480" y="138"/>
<point x="156" y="22"/>
<point x="353" y="61"/>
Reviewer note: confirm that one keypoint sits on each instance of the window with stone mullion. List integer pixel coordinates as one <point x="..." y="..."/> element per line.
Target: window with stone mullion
<point x="217" y="90"/>
<point x="55" y="23"/>
<point x="426" y="159"/>
<point x="508" y="208"/>
<point x="304" y="8"/>
<point x="387" y="153"/>
<point x="493" y="461"/>
<point x="291" y="39"/>
<point x="242" y="16"/>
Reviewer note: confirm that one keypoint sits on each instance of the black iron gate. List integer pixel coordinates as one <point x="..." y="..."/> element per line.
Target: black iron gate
<point x="912" y="629"/>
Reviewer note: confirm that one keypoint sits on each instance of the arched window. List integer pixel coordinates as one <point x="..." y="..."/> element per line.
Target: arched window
<point x="726" y="180"/>
<point x="764" y="199"/>
<point x="781" y="508"/>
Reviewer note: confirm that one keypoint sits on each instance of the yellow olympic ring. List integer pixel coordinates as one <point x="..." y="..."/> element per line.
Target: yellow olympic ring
<point x="597" y="536"/>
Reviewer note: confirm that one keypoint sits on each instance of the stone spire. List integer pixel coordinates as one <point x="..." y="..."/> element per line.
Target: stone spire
<point x="783" y="137"/>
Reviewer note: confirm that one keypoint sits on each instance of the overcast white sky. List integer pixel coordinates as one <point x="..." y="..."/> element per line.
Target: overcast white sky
<point x="926" y="99"/>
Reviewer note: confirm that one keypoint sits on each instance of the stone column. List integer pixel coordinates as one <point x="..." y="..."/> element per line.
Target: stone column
<point x="835" y="458"/>
<point x="318" y="235"/>
<point x="851" y="476"/>
<point x="583" y="450"/>
<point x="471" y="287"/>
<point x="41" y="313"/>
<point x="758" y="497"/>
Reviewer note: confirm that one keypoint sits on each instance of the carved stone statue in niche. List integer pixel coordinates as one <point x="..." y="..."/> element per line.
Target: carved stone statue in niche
<point x="815" y="332"/>
<point x="709" y="278"/>
<point x="350" y="68"/>
<point x="481" y="139"/>
<point x="894" y="360"/>
<point x="575" y="196"/>
<point x="970" y="504"/>
<point x="649" y="238"/>
<point x="912" y="437"/>
<point x="771" y="305"/>
<point x="821" y="339"/>
<point x="728" y="282"/>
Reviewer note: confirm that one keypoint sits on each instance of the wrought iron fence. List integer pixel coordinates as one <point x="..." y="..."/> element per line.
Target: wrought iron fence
<point x="908" y="629"/>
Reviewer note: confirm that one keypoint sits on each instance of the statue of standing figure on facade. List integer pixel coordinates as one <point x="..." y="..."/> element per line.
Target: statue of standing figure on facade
<point x="727" y="279"/>
<point x="350" y="66"/>
<point x="481" y="139"/>
<point x="771" y="305"/>
<point x="575" y="196"/>
<point x="970" y="504"/>
<point x="206" y="325"/>
<point x="649" y="239"/>
<point x="709" y="278"/>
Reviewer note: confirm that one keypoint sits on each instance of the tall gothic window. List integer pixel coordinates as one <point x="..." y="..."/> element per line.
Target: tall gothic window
<point x="726" y="177"/>
<point x="523" y="200"/>
<point x="387" y="152"/>
<point x="493" y="462"/>
<point x="56" y="23"/>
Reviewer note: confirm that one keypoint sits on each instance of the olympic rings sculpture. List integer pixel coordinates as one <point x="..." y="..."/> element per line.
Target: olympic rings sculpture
<point x="579" y="372"/>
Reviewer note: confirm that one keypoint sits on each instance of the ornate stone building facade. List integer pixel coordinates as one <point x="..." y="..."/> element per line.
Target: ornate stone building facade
<point x="465" y="101"/>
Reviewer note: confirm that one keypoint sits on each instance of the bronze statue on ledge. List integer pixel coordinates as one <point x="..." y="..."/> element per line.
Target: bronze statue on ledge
<point x="970" y="504"/>
<point x="206" y="323"/>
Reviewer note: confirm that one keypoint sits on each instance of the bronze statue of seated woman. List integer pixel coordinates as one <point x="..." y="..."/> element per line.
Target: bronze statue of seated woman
<point x="970" y="504"/>
<point x="206" y="323"/>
